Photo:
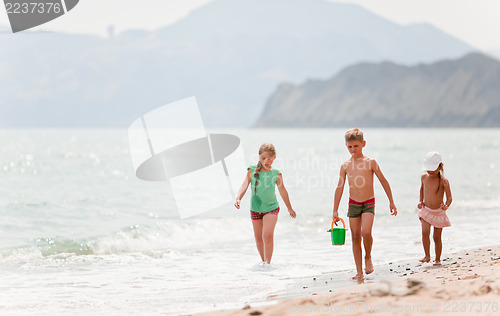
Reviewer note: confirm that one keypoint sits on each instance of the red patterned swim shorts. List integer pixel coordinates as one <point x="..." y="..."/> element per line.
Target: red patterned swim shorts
<point x="256" y="216"/>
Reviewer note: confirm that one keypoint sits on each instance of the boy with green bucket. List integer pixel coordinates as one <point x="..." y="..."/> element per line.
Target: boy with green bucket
<point x="359" y="171"/>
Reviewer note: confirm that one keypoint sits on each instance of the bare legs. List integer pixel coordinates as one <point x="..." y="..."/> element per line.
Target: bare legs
<point x="259" y="241"/>
<point x="355" y="226"/>
<point x="426" y="242"/>
<point x="361" y="232"/>
<point x="366" y="232"/>
<point x="264" y="236"/>
<point x="438" y="245"/>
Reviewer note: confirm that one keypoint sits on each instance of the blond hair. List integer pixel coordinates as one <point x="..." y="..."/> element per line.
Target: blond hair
<point x="440" y="175"/>
<point x="264" y="148"/>
<point x="354" y="134"/>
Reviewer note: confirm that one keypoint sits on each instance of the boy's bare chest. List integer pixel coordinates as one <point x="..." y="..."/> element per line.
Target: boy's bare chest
<point x="361" y="168"/>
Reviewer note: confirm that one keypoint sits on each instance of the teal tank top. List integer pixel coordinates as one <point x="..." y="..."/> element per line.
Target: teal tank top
<point x="264" y="200"/>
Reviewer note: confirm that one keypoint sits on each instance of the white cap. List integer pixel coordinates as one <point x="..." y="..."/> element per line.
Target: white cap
<point x="432" y="161"/>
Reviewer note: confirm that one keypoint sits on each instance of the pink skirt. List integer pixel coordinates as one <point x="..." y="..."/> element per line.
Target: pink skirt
<point x="436" y="218"/>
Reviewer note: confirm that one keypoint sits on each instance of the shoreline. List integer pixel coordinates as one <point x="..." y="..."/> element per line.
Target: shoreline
<point x="468" y="283"/>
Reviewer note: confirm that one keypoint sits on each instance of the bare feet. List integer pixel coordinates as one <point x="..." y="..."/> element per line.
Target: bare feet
<point x="358" y="277"/>
<point x="368" y="266"/>
<point x="425" y="259"/>
<point x="437" y="263"/>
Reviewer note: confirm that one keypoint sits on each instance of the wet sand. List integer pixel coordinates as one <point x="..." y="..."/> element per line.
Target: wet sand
<point x="467" y="283"/>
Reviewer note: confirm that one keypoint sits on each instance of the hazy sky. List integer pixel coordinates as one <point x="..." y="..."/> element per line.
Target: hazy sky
<point x="475" y="21"/>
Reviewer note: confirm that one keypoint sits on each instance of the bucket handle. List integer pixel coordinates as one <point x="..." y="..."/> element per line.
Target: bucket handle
<point x="335" y="219"/>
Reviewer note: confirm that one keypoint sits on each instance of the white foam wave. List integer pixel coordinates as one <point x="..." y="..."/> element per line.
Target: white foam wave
<point x="165" y="237"/>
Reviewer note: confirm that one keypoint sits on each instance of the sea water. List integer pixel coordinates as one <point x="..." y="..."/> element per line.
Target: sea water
<point x="80" y="234"/>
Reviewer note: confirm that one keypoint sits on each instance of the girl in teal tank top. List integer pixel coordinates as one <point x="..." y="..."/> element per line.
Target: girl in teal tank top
<point x="264" y="205"/>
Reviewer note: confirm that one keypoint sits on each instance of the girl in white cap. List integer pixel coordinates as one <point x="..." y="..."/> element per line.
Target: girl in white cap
<point x="432" y="209"/>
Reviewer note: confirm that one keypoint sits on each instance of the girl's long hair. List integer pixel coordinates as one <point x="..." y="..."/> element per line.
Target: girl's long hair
<point x="441" y="170"/>
<point x="264" y="148"/>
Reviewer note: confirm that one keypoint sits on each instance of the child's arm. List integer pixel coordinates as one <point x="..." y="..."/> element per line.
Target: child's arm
<point x="421" y="200"/>
<point x="447" y="191"/>
<point x="386" y="186"/>
<point x="243" y="188"/>
<point x="338" y="192"/>
<point x="284" y="195"/>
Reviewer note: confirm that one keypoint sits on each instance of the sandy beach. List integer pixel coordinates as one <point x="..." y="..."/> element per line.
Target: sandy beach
<point x="468" y="283"/>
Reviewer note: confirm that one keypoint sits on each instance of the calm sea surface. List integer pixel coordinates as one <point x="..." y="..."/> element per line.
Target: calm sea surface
<point x="80" y="234"/>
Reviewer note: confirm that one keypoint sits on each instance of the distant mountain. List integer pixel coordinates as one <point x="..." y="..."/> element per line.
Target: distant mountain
<point x="450" y="93"/>
<point x="230" y="54"/>
<point x="494" y="52"/>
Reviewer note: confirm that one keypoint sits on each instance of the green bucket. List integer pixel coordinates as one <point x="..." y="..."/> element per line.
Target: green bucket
<point x="338" y="234"/>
